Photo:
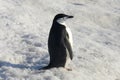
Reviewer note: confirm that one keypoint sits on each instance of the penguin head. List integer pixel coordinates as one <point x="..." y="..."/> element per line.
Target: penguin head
<point x="61" y="18"/>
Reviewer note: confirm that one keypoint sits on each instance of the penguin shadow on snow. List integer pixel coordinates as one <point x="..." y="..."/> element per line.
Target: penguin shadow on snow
<point x="8" y="64"/>
<point x="37" y="65"/>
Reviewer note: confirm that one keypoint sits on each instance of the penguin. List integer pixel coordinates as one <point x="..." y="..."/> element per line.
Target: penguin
<point x="60" y="43"/>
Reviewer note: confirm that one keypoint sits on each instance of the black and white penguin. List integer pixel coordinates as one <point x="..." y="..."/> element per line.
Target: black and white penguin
<point x="60" y="43"/>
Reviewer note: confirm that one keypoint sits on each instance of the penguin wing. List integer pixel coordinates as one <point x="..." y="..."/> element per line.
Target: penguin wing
<point x="67" y="44"/>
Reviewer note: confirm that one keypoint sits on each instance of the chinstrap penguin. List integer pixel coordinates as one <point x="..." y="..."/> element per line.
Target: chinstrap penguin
<point x="60" y="43"/>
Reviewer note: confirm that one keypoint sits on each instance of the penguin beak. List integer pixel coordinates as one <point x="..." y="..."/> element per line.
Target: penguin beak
<point x="70" y="16"/>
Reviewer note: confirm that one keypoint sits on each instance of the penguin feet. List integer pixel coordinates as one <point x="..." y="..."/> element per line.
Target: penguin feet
<point x="69" y="69"/>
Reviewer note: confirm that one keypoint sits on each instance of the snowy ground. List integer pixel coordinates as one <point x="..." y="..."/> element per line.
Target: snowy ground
<point x="24" y="28"/>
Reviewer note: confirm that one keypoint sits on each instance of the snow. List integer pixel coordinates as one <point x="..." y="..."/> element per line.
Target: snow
<point x="24" y="29"/>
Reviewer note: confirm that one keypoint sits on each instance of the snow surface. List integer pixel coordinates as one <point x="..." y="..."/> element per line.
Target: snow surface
<point x="24" y="29"/>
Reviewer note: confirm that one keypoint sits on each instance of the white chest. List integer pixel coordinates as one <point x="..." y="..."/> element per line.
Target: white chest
<point x="68" y="60"/>
<point x="68" y="31"/>
<point x="70" y="35"/>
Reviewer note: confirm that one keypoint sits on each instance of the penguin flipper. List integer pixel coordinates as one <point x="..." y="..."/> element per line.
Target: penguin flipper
<point x="67" y="44"/>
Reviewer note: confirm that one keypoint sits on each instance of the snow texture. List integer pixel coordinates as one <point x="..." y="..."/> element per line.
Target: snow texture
<point x="24" y="29"/>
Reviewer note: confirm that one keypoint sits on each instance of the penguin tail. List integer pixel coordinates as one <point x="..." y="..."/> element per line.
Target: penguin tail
<point x="45" y="68"/>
